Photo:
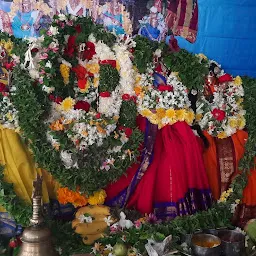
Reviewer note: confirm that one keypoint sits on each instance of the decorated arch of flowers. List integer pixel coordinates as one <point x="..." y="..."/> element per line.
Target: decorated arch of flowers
<point x="74" y="97"/>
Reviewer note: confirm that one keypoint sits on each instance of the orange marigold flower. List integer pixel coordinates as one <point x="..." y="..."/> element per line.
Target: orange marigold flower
<point x="57" y="126"/>
<point x="66" y="196"/>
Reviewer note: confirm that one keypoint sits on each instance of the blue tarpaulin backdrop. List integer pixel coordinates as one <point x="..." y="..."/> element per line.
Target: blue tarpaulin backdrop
<point x="227" y="34"/>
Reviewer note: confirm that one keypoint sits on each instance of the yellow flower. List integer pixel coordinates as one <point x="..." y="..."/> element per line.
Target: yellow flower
<point x="170" y="113"/>
<point x="97" y="198"/>
<point x="199" y="117"/>
<point x="153" y="119"/>
<point x="137" y="90"/>
<point x="160" y="112"/>
<point x="100" y="129"/>
<point x="118" y="66"/>
<point x="239" y="101"/>
<point x="56" y="146"/>
<point x="64" y="71"/>
<point x="84" y="133"/>
<point x="9" y="116"/>
<point x="181" y="114"/>
<point x="175" y="74"/>
<point x="222" y="135"/>
<point x="67" y="104"/>
<point x="237" y="201"/>
<point x="202" y="56"/>
<point x="230" y="190"/>
<point x="8" y="46"/>
<point x="93" y="68"/>
<point x="146" y="112"/>
<point x="190" y="116"/>
<point x="241" y="123"/>
<point x="238" y="81"/>
<point x="232" y="122"/>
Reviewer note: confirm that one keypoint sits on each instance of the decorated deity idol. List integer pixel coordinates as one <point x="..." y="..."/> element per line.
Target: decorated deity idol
<point x="25" y="19"/>
<point x="153" y="26"/>
<point x="113" y="18"/>
<point x="169" y="179"/>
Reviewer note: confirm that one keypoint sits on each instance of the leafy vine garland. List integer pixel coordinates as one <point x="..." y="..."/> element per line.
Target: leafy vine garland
<point x="33" y="105"/>
<point x="80" y="91"/>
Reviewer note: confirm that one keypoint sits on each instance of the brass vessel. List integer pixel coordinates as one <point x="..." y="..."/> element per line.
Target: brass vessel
<point x="36" y="239"/>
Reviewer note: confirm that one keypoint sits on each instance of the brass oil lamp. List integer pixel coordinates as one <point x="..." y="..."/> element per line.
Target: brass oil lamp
<point x="36" y="239"/>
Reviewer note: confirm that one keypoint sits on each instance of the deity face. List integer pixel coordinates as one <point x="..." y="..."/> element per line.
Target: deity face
<point x="26" y="6"/>
<point x="153" y="20"/>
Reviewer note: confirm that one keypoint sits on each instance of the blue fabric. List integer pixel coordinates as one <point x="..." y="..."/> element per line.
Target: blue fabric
<point x="227" y="34"/>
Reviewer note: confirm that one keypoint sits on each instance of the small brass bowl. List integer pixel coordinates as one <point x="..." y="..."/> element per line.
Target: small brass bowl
<point x="206" y="245"/>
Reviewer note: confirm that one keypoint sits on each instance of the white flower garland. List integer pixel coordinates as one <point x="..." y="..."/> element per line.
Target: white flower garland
<point x="83" y="128"/>
<point x="225" y="114"/>
<point x="163" y="106"/>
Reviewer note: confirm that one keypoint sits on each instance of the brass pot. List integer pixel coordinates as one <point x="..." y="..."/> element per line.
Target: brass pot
<point x="37" y="241"/>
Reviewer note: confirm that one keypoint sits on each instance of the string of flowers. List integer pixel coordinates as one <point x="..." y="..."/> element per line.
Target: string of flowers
<point x="222" y="114"/>
<point x="165" y="104"/>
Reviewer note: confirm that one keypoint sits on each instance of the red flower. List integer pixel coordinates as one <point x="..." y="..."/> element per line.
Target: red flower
<point x="163" y="87"/>
<point x="71" y="46"/>
<point x="134" y="99"/>
<point x="126" y="97"/>
<point x="218" y="114"/>
<point x="78" y="28"/>
<point x="51" y="97"/>
<point x="132" y="50"/>
<point x="13" y="243"/>
<point x="105" y="94"/>
<point x="82" y="105"/>
<point x="110" y="62"/>
<point x="9" y="66"/>
<point x="3" y="88"/>
<point x="225" y="78"/>
<point x="82" y="75"/>
<point x="34" y="50"/>
<point x="128" y="131"/>
<point x="97" y="115"/>
<point x="90" y="51"/>
<point x="58" y="100"/>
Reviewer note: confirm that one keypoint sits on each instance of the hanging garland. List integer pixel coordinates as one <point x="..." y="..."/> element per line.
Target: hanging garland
<point x="33" y="105"/>
<point x="220" y="112"/>
<point x="165" y="104"/>
<point x="79" y="90"/>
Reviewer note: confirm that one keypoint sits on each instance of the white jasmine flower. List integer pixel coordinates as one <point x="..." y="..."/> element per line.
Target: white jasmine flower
<point x="48" y="89"/>
<point x="53" y="31"/>
<point x="108" y="220"/>
<point x="62" y="17"/>
<point x="48" y="64"/>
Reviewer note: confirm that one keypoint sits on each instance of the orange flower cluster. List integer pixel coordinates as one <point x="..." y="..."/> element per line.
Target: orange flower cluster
<point x="68" y="196"/>
<point x="57" y="126"/>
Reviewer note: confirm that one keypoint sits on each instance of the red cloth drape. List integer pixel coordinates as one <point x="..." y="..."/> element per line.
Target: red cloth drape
<point x="175" y="182"/>
<point x="182" y="18"/>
